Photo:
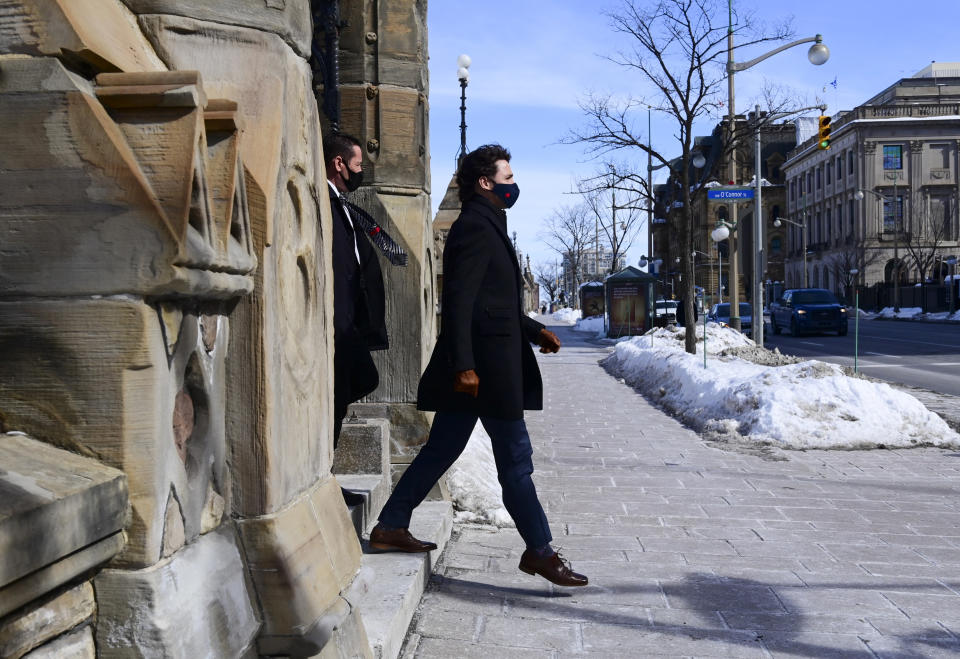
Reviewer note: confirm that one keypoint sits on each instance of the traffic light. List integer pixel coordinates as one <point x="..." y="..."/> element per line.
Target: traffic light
<point x="823" y="133"/>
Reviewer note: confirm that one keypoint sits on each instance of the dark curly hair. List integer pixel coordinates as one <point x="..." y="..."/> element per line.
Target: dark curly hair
<point x="482" y="161"/>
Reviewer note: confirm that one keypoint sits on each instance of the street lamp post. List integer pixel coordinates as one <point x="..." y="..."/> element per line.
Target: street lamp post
<point x="856" y="321"/>
<point x="463" y="75"/>
<point x="817" y="54"/>
<point x="952" y="262"/>
<point x="778" y="222"/>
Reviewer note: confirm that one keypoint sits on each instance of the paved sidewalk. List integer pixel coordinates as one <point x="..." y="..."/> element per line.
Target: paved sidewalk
<point x="698" y="552"/>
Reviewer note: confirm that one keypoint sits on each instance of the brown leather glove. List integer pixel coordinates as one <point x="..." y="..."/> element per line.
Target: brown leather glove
<point x="467" y="382"/>
<point x="548" y="341"/>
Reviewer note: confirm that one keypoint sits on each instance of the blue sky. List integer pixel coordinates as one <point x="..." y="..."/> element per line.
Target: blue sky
<point x="533" y="60"/>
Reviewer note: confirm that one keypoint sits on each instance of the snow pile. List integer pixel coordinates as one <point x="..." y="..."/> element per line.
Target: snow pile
<point x="943" y="315"/>
<point x="591" y="324"/>
<point x="916" y="313"/>
<point x="809" y="404"/>
<point x="532" y="314"/>
<point x="473" y="484"/>
<point x="566" y="315"/>
<point x="905" y="312"/>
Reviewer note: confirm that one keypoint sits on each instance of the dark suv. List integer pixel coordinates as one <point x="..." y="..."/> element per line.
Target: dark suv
<point x="808" y="310"/>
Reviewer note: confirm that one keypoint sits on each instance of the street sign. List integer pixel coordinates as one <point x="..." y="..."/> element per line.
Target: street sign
<point x="730" y="194"/>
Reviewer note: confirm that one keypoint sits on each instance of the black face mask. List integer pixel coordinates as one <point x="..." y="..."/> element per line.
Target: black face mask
<point x="352" y="183"/>
<point x="507" y="193"/>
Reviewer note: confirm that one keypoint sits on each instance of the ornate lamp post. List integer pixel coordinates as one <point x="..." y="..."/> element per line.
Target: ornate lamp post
<point x="463" y="75"/>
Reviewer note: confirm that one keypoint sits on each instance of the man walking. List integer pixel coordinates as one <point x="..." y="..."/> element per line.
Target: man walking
<point x="359" y="324"/>
<point x="481" y="368"/>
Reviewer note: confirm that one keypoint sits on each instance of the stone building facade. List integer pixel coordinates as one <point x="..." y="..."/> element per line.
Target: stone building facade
<point x="900" y="149"/>
<point x="166" y="327"/>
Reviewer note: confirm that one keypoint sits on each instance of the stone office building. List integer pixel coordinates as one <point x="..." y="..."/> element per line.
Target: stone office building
<point x="900" y="150"/>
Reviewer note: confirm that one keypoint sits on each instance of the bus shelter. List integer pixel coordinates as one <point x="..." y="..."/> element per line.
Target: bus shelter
<point x="629" y="296"/>
<point x="591" y="299"/>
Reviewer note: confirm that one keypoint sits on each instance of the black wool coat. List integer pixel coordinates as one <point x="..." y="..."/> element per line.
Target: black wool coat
<point x="359" y="319"/>
<point x="483" y="326"/>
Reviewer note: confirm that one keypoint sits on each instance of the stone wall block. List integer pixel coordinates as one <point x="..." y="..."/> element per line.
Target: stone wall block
<point x="397" y="56"/>
<point x="288" y="19"/>
<point x="78" y="644"/>
<point x="194" y="604"/>
<point x="124" y="207"/>
<point x="102" y="34"/>
<point x="112" y="395"/>
<point x="46" y="620"/>
<point x="300" y="559"/>
<point x="53" y="502"/>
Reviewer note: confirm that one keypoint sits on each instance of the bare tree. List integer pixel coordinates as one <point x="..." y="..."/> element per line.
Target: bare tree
<point x="679" y="48"/>
<point x="569" y="233"/>
<point x="617" y="218"/>
<point x="548" y="276"/>
<point x="851" y="255"/>
<point x="928" y="230"/>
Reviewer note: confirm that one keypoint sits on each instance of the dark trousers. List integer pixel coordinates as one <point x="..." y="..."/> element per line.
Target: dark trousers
<point x="512" y="453"/>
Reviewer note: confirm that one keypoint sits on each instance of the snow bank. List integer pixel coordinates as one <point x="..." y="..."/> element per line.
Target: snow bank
<point x="905" y="312"/>
<point x="591" y="324"/>
<point x="473" y="485"/>
<point x="532" y="314"/>
<point x="803" y="405"/>
<point x="566" y="315"/>
<point x="916" y="313"/>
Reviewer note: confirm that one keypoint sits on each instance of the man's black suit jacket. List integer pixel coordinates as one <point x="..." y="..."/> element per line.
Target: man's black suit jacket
<point x="483" y="325"/>
<point x="358" y="310"/>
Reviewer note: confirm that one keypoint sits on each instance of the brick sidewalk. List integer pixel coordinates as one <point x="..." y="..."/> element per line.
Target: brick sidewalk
<point x="696" y="551"/>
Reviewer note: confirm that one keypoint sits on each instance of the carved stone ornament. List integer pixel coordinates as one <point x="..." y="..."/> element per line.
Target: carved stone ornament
<point x="869" y="148"/>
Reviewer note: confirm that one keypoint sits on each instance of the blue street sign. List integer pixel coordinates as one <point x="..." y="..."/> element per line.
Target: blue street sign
<point x="738" y="194"/>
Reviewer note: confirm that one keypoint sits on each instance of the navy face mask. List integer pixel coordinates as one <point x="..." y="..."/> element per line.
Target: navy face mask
<point x="507" y="192"/>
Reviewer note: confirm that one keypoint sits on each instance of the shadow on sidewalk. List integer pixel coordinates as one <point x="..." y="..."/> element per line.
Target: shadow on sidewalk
<point x="778" y="626"/>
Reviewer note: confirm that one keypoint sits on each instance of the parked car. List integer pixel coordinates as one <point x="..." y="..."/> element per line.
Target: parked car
<point x="808" y="310"/>
<point x="666" y="309"/>
<point x="720" y="313"/>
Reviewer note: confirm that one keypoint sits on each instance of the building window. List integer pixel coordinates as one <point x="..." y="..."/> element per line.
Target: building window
<point x="893" y="156"/>
<point x="892" y="213"/>
<point x="828" y="225"/>
<point x="940" y="156"/>
<point x="809" y="182"/>
<point x="776" y="245"/>
<point x="849" y="162"/>
<point x="819" y="177"/>
<point x="850" y="217"/>
<point x="839" y="168"/>
<point x="819" y="228"/>
<point x="827" y="167"/>
<point x="793" y="190"/>
<point x="940" y="217"/>
<point x="839" y="222"/>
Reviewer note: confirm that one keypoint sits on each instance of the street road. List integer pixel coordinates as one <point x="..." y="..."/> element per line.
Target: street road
<point x="913" y="353"/>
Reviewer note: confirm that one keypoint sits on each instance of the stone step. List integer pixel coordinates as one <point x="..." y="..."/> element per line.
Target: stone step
<point x="389" y="587"/>
<point x="375" y="489"/>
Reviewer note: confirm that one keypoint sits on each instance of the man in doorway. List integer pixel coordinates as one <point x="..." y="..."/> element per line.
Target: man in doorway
<point x="482" y="368"/>
<point x="359" y="324"/>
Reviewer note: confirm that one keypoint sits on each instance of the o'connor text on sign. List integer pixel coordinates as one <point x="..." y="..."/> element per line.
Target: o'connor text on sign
<point x="731" y="195"/>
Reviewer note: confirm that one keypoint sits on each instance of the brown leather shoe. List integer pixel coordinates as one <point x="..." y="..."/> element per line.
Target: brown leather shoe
<point x="397" y="540"/>
<point x="552" y="568"/>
